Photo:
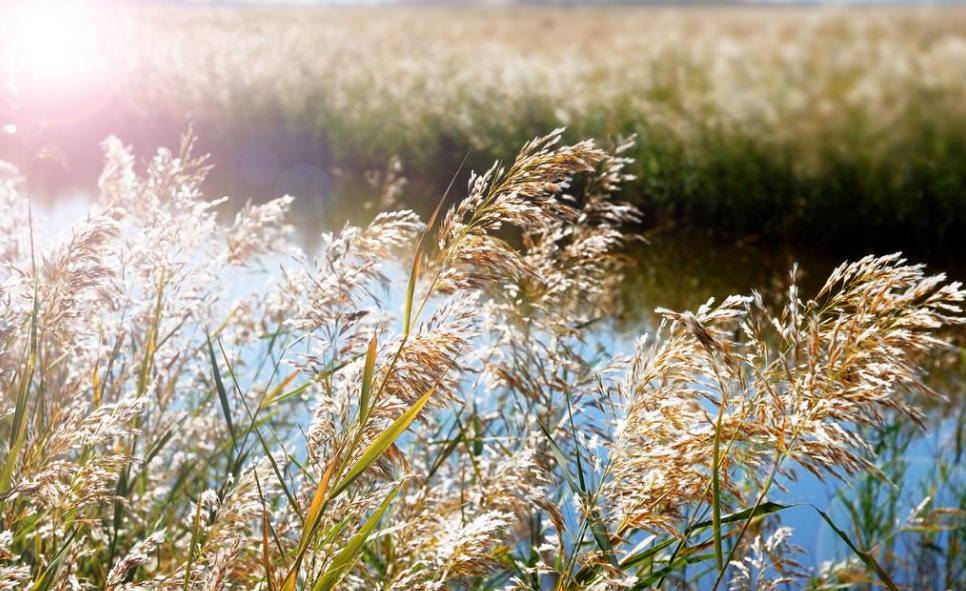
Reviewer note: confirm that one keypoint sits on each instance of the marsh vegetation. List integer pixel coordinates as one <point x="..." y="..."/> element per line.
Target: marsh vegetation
<point x="773" y="123"/>
<point x="486" y="378"/>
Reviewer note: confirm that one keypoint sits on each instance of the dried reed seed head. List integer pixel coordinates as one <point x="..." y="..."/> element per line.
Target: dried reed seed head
<point x="502" y="339"/>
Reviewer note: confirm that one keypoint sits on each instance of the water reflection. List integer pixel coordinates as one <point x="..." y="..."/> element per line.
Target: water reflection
<point x="682" y="270"/>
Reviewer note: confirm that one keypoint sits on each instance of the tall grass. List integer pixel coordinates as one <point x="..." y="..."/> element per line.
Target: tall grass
<point x="166" y="428"/>
<point x="776" y="123"/>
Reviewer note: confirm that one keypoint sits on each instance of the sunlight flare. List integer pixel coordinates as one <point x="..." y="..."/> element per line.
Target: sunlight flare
<point x="56" y="44"/>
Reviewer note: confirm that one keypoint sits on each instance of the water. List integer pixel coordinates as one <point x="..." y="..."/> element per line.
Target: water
<point x="675" y="269"/>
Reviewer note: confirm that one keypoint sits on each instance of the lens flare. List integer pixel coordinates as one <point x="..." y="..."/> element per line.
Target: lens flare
<point x="54" y="61"/>
<point x="56" y="43"/>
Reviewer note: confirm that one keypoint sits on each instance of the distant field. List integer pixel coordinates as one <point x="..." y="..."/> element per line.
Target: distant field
<point x="777" y="123"/>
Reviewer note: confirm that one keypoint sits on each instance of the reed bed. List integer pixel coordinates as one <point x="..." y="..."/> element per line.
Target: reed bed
<point x="782" y="123"/>
<point x="165" y="429"/>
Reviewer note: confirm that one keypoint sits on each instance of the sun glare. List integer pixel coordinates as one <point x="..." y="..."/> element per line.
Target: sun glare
<point x="57" y="44"/>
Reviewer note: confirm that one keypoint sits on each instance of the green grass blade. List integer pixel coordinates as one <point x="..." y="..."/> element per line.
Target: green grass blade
<point x="147" y="364"/>
<point x="716" y="498"/>
<point x="220" y="386"/>
<point x="765" y="508"/>
<point x="152" y="342"/>
<point x="411" y="290"/>
<point x="561" y="459"/>
<point x="158" y="446"/>
<point x="597" y="527"/>
<point x="368" y="373"/>
<point x="449" y="446"/>
<point x="282" y="397"/>
<point x="253" y="426"/>
<point x="864" y="556"/>
<point x="47" y="578"/>
<point x="640" y="557"/>
<point x="573" y="429"/>
<point x="191" y="546"/>
<point x="348" y="556"/>
<point x="382" y="443"/>
<point x="18" y="429"/>
<point x="647" y="582"/>
<point x="589" y="571"/>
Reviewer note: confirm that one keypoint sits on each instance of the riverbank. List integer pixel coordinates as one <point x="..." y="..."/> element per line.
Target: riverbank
<point x="840" y="130"/>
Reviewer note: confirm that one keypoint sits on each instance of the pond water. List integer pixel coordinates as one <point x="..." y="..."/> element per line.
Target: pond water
<point x="677" y="270"/>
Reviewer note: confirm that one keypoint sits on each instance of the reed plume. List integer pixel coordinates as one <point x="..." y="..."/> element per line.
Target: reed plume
<point x="303" y="433"/>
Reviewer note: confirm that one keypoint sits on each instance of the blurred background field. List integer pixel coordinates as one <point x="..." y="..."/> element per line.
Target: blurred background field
<point x="842" y="130"/>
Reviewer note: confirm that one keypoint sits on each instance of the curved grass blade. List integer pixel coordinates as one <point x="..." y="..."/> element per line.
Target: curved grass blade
<point x="588" y="572"/>
<point x="769" y="507"/>
<point x="315" y="509"/>
<point x="647" y="582"/>
<point x="864" y="556"/>
<point x="417" y="254"/>
<point x="309" y="526"/>
<point x="353" y="549"/>
<point x="278" y="390"/>
<point x="253" y="426"/>
<point x="640" y="557"/>
<point x="382" y="443"/>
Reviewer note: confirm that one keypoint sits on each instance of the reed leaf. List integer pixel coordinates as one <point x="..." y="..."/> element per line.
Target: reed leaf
<point x="220" y="387"/>
<point x="381" y="444"/>
<point x="348" y="556"/>
<point x="367" y="376"/>
<point x="597" y="527"/>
